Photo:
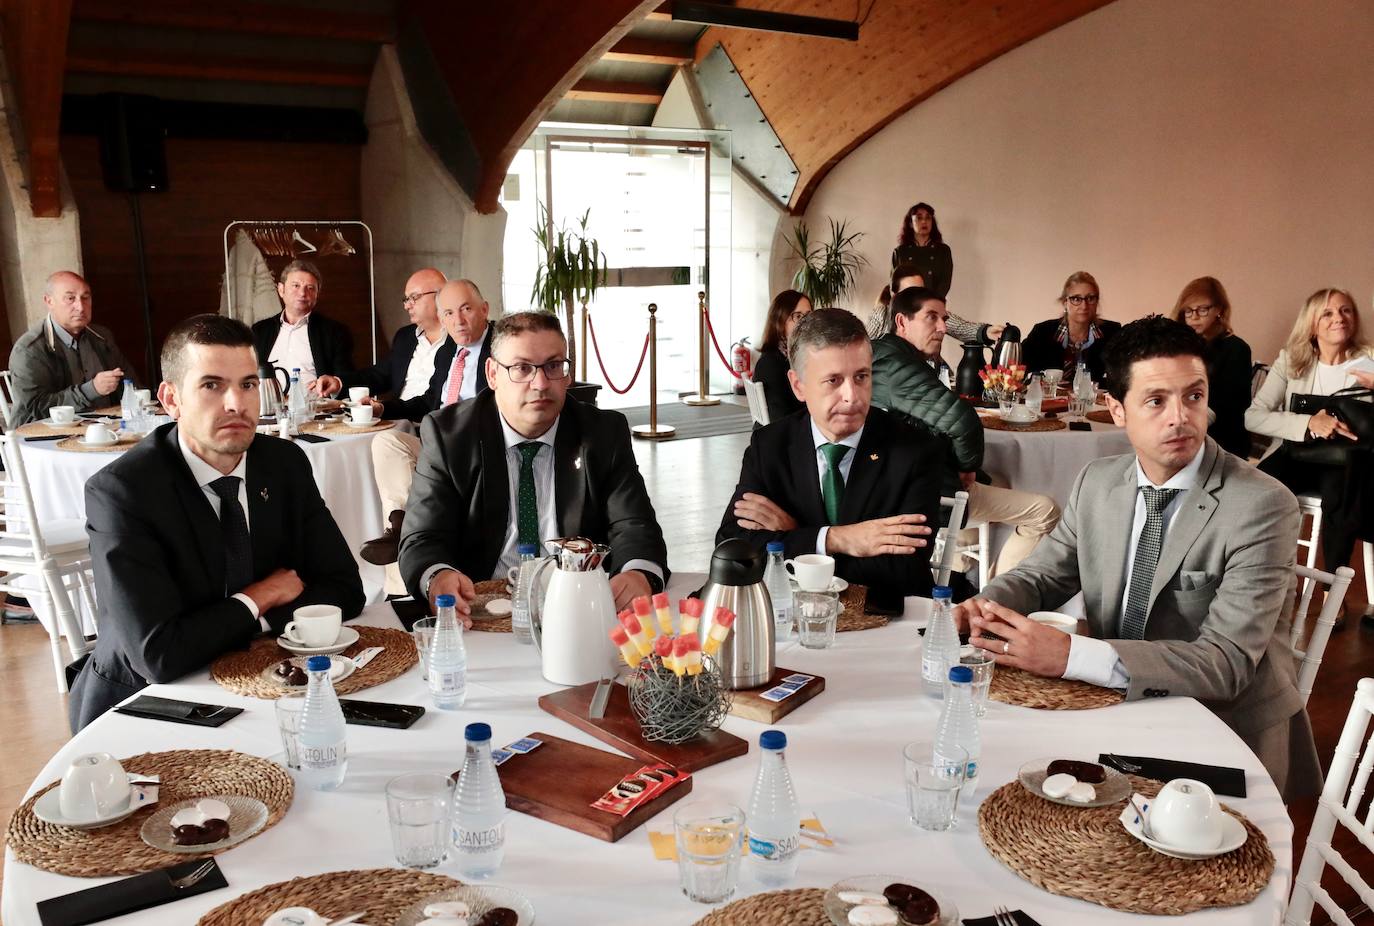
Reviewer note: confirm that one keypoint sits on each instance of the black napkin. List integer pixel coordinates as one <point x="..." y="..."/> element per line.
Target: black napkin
<point x="313" y="438"/>
<point x="130" y="895"/>
<point x="34" y="440"/>
<point x="1021" y="918"/>
<point x="1220" y="778"/>
<point x="200" y="715"/>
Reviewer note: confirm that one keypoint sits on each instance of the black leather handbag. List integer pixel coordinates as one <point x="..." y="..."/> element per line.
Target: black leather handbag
<point x="1354" y="407"/>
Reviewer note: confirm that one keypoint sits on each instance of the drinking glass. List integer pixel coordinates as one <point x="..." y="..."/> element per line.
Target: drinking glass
<point x="288" y="708"/>
<point x="816" y="615"/>
<point x="710" y="839"/>
<point x="420" y="808"/>
<point x="983" y="666"/>
<point x="423" y="632"/>
<point x="932" y="785"/>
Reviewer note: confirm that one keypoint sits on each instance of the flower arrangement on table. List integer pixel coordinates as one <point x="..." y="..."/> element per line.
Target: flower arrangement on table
<point x="1003" y="384"/>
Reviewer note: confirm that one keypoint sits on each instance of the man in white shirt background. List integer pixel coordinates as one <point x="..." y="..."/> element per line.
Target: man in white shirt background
<point x="301" y="337"/>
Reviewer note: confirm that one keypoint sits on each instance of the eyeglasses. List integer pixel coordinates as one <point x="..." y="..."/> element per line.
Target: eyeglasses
<point x="798" y="316"/>
<point x="1199" y="311"/>
<point x="412" y="298"/>
<point x="1079" y="300"/>
<point x="554" y="371"/>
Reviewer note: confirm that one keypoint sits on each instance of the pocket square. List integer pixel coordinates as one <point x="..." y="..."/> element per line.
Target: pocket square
<point x="1189" y="581"/>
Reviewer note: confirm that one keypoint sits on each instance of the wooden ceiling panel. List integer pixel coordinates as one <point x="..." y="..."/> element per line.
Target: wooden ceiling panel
<point x="35" y="37"/>
<point x="825" y="97"/>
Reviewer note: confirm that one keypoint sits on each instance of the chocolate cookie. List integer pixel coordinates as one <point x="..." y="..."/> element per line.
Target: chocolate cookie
<point x="1090" y="772"/>
<point x="501" y="916"/>
<point x="915" y="906"/>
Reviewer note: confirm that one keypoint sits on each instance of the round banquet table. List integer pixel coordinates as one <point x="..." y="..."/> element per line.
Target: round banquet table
<point x="844" y="750"/>
<point x="342" y="468"/>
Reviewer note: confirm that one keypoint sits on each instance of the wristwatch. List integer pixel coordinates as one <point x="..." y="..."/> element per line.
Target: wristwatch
<point x="655" y="583"/>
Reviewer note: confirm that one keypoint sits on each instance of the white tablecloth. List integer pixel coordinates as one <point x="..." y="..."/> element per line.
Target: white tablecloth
<point x="343" y="472"/>
<point x="844" y="749"/>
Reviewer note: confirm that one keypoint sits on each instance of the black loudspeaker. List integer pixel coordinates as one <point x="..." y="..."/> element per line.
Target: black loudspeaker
<point x="133" y="156"/>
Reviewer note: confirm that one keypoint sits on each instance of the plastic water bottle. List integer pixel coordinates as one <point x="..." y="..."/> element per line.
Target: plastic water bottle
<point x="322" y="735"/>
<point x="779" y="585"/>
<point x="520" y="607"/>
<point x="128" y="402"/>
<point x="1035" y="395"/>
<point x="448" y="658"/>
<point x="958" y="724"/>
<point x="479" y="816"/>
<point x="299" y="404"/>
<point x="940" y="647"/>
<point x="774" y="816"/>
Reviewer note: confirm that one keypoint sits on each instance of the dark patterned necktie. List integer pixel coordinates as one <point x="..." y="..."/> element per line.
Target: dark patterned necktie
<point x="1146" y="559"/>
<point x="527" y="500"/>
<point x="238" y="545"/>
<point x="832" y="484"/>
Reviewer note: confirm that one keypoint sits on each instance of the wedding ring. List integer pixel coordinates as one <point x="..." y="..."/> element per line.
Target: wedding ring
<point x="1006" y="647"/>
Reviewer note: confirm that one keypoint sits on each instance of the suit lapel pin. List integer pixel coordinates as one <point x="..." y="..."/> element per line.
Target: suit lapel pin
<point x="577" y="464"/>
<point x="873" y="457"/>
<point x="263" y="493"/>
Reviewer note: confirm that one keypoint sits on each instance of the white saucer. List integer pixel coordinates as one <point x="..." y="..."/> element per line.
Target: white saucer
<point x="347" y="637"/>
<point x="1018" y="417"/>
<point x="104" y="443"/>
<point x="359" y="424"/>
<point x="70" y="424"/>
<point x="1233" y="836"/>
<point x="340" y="668"/>
<point x="48" y="808"/>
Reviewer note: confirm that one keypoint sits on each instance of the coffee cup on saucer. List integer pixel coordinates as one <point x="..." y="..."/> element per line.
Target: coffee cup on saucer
<point x="144" y="396"/>
<point x="314" y="625"/>
<point x="360" y="414"/>
<point x="62" y="414"/>
<point x="1185" y="815"/>
<point x="358" y="395"/>
<point x="99" y="434"/>
<point x="1058" y="620"/>
<point x="813" y="571"/>
<point x="93" y="787"/>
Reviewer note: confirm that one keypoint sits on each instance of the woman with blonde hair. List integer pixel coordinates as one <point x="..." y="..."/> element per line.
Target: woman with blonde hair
<point x="1076" y="337"/>
<point x="1204" y="307"/>
<point x="1326" y="352"/>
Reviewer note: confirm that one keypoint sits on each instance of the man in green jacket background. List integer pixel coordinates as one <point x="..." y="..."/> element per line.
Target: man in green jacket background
<point x="906" y="382"/>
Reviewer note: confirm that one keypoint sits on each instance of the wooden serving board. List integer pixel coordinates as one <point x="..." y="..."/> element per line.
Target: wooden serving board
<point x="751" y="705"/>
<point x="620" y="728"/>
<point x="560" y="780"/>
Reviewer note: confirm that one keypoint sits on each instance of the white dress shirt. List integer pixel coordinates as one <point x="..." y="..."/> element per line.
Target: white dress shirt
<point x="292" y="349"/>
<point x="421" y="368"/>
<point x="470" y="372"/>
<point x="817" y="439"/>
<point x="204" y="474"/>
<point x="1095" y="661"/>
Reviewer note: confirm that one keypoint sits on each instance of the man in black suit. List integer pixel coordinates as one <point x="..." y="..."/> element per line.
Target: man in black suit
<point x="300" y="336"/>
<point x="458" y="375"/>
<point x="205" y="534"/>
<point x="522" y="463"/>
<point x="839" y="477"/>
<point x="408" y="371"/>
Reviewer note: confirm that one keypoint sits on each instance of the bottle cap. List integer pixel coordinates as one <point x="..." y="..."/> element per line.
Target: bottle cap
<point x="775" y="546"/>
<point x="527" y="549"/>
<point x="960" y="674"/>
<point x="477" y="732"/>
<point x="773" y="739"/>
<point x="445" y="601"/>
<point x="942" y="591"/>
<point x="318" y="663"/>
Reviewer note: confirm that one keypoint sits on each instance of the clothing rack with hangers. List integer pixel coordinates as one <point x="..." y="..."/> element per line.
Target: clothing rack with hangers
<point x="274" y="233"/>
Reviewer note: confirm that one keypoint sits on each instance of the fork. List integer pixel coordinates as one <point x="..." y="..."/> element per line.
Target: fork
<point x="195" y="877"/>
<point x="1002" y="917"/>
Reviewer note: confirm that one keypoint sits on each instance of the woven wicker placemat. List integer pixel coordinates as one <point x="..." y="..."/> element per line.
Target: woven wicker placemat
<point x="381" y="893"/>
<point x="1087" y="853"/>
<point x="339" y="427"/>
<point x="1015" y="686"/>
<point x="241" y="671"/>
<point x="853" y="600"/>
<point x="802" y="907"/>
<point x="43" y="429"/>
<point x="118" y="849"/>
<point x="993" y="423"/>
<point x="489" y="590"/>
<point x="74" y="445"/>
<point x="1101" y="416"/>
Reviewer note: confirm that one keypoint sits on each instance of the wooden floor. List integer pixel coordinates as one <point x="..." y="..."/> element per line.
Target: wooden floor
<point x="690" y="483"/>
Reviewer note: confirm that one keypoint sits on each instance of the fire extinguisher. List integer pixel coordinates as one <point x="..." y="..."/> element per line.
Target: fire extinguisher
<point x="742" y="360"/>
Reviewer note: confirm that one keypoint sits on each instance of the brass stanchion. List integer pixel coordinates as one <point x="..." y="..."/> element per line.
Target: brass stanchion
<point x="584" y="342"/>
<point x="703" y="371"/>
<point x="652" y="430"/>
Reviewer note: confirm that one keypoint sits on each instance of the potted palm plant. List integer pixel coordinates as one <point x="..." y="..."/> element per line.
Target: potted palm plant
<point x="572" y="272"/>
<point x="828" y="268"/>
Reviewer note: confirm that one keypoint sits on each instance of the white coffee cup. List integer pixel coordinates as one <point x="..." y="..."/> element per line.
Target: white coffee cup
<point x="62" y="414"/>
<point x="1185" y="815"/>
<point x="1065" y="622"/>
<point x="358" y="394"/>
<point x="145" y="397"/>
<point x="99" y="434"/>
<point x="94" y="787"/>
<point x="361" y="414"/>
<point x="813" y="571"/>
<point x="314" y="625"/>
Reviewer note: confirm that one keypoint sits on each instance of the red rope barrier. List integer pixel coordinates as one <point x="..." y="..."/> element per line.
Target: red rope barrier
<point x="716" y="344"/>
<point x="597" y="350"/>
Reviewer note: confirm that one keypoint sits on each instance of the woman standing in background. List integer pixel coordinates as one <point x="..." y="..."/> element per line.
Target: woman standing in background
<point x="921" y="246"/>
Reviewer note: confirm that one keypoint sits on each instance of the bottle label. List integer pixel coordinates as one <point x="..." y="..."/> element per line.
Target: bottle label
<point x="970" y="770"/>
<point x="774" y="850"/>
<point x="324" y="757"/>
<point x="934" y="668"/>
<point x="446" y="681"/>
<point x="478" y="842"/>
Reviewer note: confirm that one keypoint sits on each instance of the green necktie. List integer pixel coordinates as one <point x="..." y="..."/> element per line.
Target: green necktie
<point x="527" y="507"/>
<point x="832" y="483"/>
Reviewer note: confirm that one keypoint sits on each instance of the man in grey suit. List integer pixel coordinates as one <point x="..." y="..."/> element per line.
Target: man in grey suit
<point x="1185" y="556"/>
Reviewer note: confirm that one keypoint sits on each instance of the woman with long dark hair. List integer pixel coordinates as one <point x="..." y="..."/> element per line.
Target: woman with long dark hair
<point x="1204" y="307"/>
<point x="920" y="245"/>
<point x="788" y="308"/>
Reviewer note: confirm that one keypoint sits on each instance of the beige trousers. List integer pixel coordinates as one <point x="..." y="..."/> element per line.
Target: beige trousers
<point x="1032" y="514"/>
<point x="394" y="455"/>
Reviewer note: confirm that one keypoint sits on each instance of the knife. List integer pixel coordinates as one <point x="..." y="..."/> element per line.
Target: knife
<point x="597" y="710"/>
